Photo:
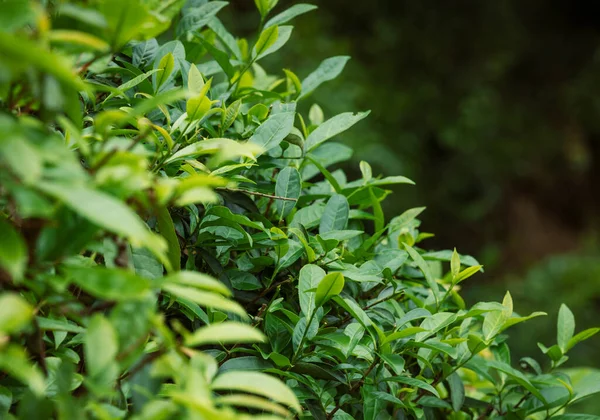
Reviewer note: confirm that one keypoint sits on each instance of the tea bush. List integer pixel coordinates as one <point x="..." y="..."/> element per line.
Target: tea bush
<point x="176" y="241"/>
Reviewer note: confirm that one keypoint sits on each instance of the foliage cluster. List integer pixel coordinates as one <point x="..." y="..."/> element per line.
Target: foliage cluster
<point x="176" y="242"/>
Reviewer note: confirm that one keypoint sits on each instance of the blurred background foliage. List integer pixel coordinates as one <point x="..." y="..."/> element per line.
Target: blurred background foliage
<point x="493" y="109"/>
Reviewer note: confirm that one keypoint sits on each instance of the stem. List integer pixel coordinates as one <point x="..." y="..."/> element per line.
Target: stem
<point x="112" y="152"/>
<point x="355" y="385"/>
<point x="259" y="194"/>
<point x="308" y="324"/>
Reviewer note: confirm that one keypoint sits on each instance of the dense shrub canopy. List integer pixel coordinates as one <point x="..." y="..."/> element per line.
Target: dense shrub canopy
<point x="176" y="241"/>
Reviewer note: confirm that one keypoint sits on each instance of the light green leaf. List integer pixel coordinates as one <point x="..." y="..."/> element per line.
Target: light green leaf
<point x="226" y="148"/>
<point x="329" y="69"/>
<point x="257" y="383"/>
<point x="455" y="264"/>
<point x="288" y="185"/>
<point x="225" y="333"/>
<point x="310" y="276"/>
<point x="516" y="320"/>
<point x="195" y="80"/>
<point x="265" y="6"/>
<point x="197" y="280"/>
<point x="466" y="273"/>
<point x="15" y="313"/>
<point x="335" y="215"/>
<point x="101" y="347"/>
<point x="579" y="337"/>
<point x="289" y="14"/>
<point x="13" y="251"/>
<point x="565" y="327"/>
<point x="231" y="114"/>
<point x="332" y="127"/>
<point x="365" y="170"/>
<point x="267" y="38"/>
<point x="20" y="52"/>
<point x="331" y="285"/>
<point x="285" y="32"/>
<point x="207" y="299"/>
<point x="197" y="107"/>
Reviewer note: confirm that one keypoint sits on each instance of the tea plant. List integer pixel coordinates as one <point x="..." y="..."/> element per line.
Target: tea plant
<point x="176" y="241"/>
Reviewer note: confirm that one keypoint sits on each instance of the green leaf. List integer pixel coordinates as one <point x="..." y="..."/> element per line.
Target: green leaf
<point x="231" y="114"/>
<point x="276" y="128"/>
<point x="422" y="264"/>
<point x="167" y="230"/>
<point x="457" y="391"/>
<point x="109" y="283"/>
<point x="329" y="69"/>
<point x="335" y="215"/>
<point x="413" y="382"/>
<point x="331" y="285"/>
<point x="583" y="335"/>
<point x="107" y="212"/>
<point x="18" y="51"/>
<point x="267" y="38"/>
<point x="101" y="348"/>
<point x="517" y="377"/>
<point x="330" y="178"/>
<point x="259" y="384"/>
<point x="332" y="127"/>
<point x="407" y="332"/>
<point x="13" y="251"/>
<point x="58" y="325"/>
<point x="197" y="280"/>
<point x="132" y="83"/>
<point x="251" y="401"/>
<point x="15" y="313"/>
<point x="310" y="276"/>
<point x="565" y="327"/>
<point x="242" y="280"/>
<point x="225" y="37"/>
<point x="225" y="333"/>
<point x="14" y="361"/>
<point x="288" y="185"/>
<point x="289" y="14"/>
<point x="194" y="19"/>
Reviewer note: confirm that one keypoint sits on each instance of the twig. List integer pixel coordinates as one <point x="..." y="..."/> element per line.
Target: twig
<point x="354" y="386"/>
<point x="276" y="197"/>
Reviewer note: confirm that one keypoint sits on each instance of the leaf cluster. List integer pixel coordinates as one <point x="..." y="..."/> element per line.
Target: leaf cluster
<point x="176" y="241"/>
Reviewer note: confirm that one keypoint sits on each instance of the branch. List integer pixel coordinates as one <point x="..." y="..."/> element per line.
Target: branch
<point x="276" y="197"/>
